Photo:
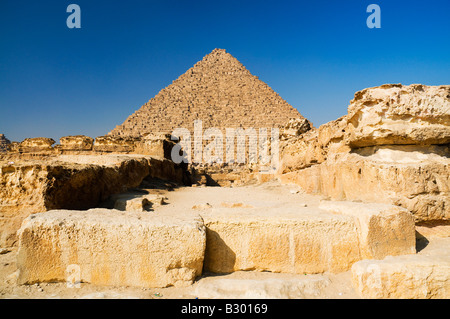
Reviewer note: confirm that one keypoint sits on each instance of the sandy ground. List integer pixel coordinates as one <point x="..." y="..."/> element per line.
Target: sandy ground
<point x="182" y="199"/>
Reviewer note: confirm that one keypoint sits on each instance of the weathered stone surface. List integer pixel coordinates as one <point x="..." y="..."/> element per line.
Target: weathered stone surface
<point x="304" y="240"/>
<point x="111" y="248"/>
<point x="70" y="182"/>
<point x="228" y="175"/>
<point x="406" y="277"/>
<point x="390" y="114"/>
<point x="391" y="147"/>
<point x="13" y="147"/>
<point x="36" y="145"/>
<point x="76" y="143"/>
<point x="418" y="180"/>
<point x="159" y="145"/>
<point x="290" y="242"/>
<point x="398" y="114"/>
<point x="383" y="229"/>
<point x="110" y="144"/>
<point x="313" y="146"/>
<point x="271" y="288"/>
<point x="295" y="128"/>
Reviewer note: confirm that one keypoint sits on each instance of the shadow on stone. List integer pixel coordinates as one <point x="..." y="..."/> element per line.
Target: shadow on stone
<point x="421" y="242"/>
<point x="218" y="254"/>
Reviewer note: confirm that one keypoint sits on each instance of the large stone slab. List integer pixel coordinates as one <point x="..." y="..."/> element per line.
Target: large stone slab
<point x="295" y="241"/>
<point x="412" y="276"/>
<point x="76" y="143"/>
<point x="110" y="247"/>
<point x="383" y="229"/>
<point x="304" y="240"/>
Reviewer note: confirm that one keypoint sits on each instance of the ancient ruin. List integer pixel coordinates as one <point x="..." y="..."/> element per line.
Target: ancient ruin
<point x="356" y="208"/>
<point x="393" y="145"/>
<point x="4" y="142"/>
<point x="220" y="92"/>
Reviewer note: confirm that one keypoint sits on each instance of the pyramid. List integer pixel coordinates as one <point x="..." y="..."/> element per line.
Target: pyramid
<point x="4" y="142"/>
<point x="218" y="90"/>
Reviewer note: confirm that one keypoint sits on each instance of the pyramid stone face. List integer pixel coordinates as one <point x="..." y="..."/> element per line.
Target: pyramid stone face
<point x="4" y="142"/>
<point x="220" y="92"/>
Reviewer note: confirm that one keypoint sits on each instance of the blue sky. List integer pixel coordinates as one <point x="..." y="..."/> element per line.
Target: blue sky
<point x="56" y="81"/>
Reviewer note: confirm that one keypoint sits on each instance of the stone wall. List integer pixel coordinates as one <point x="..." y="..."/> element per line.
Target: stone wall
<point x="152" y="145"/>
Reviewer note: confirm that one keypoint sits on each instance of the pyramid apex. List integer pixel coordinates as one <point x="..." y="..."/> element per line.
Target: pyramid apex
<point x="217" y="53"/>
<point x="217" y="50"/>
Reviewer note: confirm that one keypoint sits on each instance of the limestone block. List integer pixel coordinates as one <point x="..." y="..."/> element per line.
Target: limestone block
<point x="159" y="145"/>
<point x="110" y="247"/>
<point x="76" y="143"/>
<point x="111" y="144"/>
<point x="293" y="241"/>
<point x="398" y="114"/>
<point x="305" y="240"/>
<point x="138" y="203"/>
<point x="382" y="229"/>
<point x="313" y="146"/>
<point x="37" y="144"/>
<point x="405" y="277"/>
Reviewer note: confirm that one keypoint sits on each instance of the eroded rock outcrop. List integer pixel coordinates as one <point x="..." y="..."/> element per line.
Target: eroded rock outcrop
<point x="110" y="144"/>
<point x="294" y="128"/>
<point x="395" y="114"/>
<point x="76" y="143"/>
<point x="71" y="182"/>
<point x="37" y="144"/>
<point x="391" y="147"/>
